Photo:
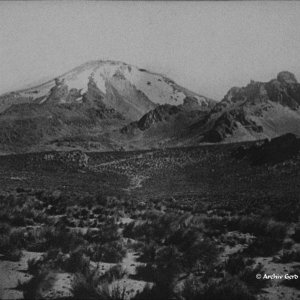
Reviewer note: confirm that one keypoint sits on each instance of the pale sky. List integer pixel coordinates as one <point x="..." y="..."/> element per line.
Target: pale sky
<point x="207" y="47"/>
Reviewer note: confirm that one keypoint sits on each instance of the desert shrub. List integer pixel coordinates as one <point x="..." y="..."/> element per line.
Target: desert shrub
<point x="248" y="276"/>
<point x="128" y="230"/>
<point x="237" y="263"/>
<point x="53" y="259"/>
<point x="230" y="240"/>
<point x="31" y="288"/>
<point x="86" y="201"/>
<point x="114" y="273"/>
<point x="14" y="255"/>
<point x="186" y="249"/>
<point x="288" y="243"/>
<point x="101" y="199"/>
<point x="253" y="224"/>
<point x="108" y="232"/>
<point x="296" y="235"/>
<point x="295" y="283"/>
<point x="148" y="252"/>
<point x="17" y="219"/>
<point x="157" y="292"/>
<point x="151" y="215"/>
<point x="218" y="223"/>
<point x="36" y="242"/>
<point x="264" y="246"/>
<point x="116" y="293"/>
<point x="276" y="230"/>
<point x="11" y="244"/>
<point x="84" y="289"/>
<point x="5" y="244"/>
<point x="95" y="252"/>
<point x="203" y="251"/>
<point x="155" y="228"/>
<point x="258" y="226"/>
<point x="192" y="289"/>
<point x="168" y="259"/>
<point x="98" y="210"/>
<point x="270" y="234"/>
<point x="77" y="262"/>
<point x="226" y="289"/>
<point x="183" y="238"/>
<point x="289" y="256"/>
<point x="286" y="211"/>
<point x="34" y="265"/>
<point x="63" y="238"/>
<point x="20" y="210"/>
<point x="145" y="230"/>
<point x="146" y="272"/>
<point x="163" y="278"/>
<point x="4" y="228"/>
<point x="112" y="252"/>
<point x="50" y="237"/>
<point x="89" y="289"/>
<point x="136" y="246"/>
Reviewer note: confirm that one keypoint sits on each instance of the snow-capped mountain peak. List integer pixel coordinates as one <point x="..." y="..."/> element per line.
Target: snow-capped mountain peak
<point x="138" y="88"/>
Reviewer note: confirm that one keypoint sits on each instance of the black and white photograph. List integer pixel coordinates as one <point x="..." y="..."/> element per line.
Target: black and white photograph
<point x="150" y="150"/>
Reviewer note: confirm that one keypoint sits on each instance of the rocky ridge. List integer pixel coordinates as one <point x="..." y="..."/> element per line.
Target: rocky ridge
<point x="253" y="110"/>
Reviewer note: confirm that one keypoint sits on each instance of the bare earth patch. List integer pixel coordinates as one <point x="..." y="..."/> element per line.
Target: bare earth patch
<point x="14" y="273"/>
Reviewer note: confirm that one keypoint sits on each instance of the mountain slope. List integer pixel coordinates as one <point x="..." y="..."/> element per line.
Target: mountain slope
<point x="125" y="88"/>
<point x="279" y="149"/>
<point x="259" y="110"/>
<point x="166" y="125"/>
<point x="87" y="107"/>
<point x="105" y="105"/>
<point x="30" y="127"/>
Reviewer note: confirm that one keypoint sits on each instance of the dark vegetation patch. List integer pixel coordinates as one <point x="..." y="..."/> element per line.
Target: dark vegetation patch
<point x="193" y="205"/>
<point x="275" y="151"/>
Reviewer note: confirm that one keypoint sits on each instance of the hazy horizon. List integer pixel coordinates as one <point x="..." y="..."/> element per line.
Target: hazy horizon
<point x="207" y="47"/>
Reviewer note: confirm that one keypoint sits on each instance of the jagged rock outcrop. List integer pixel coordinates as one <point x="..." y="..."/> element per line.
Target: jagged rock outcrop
<point x="93" y="94"/>
<point x="287" y="77"/>
<point x="228" y="123"/>
<point x="74" y="95"/>
<point x="159" y="114"/>
<point x="59" y="93"/>
<point x="192" y="103"/>
<point x="284" y="90"/>
<point x="259" y="110"/>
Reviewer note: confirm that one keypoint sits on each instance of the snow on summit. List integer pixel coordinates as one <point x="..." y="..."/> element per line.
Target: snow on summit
<point x="157" y="88"/>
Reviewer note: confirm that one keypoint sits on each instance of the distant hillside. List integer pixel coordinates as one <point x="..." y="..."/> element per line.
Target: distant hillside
<point x="106" y="105"/>
<point x="259" y="110"/>
<point x="29" y="127"/>
<point x="166" y="125"/>
<point x="279" y="149"/>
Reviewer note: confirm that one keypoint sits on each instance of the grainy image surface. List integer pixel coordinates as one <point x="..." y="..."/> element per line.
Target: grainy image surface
<point x="118" y="182"/>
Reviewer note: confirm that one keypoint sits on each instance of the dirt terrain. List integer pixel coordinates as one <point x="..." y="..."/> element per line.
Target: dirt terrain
<point x="181" y="223"/>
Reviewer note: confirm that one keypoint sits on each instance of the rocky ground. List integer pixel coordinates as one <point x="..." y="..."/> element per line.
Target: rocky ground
<point x="183" y="223"/>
